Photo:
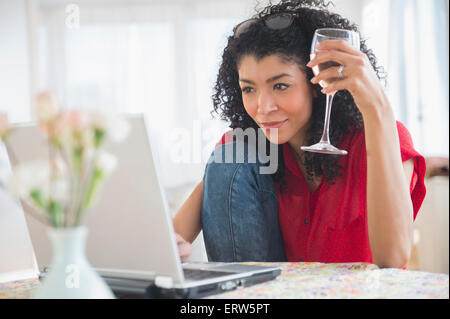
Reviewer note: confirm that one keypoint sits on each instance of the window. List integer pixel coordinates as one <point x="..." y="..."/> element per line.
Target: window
<point x="411" y="39"/>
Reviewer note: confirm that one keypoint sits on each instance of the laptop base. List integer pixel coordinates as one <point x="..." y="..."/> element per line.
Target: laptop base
<point x="201" y="291"/>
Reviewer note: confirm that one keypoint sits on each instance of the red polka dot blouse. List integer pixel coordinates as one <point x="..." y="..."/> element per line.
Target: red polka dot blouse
<point x="330" y="224"/>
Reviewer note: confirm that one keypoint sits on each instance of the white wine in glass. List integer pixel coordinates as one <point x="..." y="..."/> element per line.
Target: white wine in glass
<point x="320" y="35"/>
<point x="324" y="66"/>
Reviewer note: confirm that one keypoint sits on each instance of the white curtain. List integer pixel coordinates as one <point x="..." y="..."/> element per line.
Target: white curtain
<point x="158" y="59"/>
<point x="15" y="81"/>
<point x="411" y="39"/>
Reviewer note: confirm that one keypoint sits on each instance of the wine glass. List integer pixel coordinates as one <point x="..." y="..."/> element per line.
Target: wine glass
<point x="320" y="35"/>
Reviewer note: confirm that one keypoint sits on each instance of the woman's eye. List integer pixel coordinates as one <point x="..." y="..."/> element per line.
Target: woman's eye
<point x="280" y="86"/>
<point x="247" y="89"/>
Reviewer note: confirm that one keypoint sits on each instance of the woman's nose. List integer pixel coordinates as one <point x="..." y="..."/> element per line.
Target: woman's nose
<point x="266" y="103"/>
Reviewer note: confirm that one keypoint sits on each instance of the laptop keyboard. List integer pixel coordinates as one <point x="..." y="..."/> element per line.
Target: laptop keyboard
<point x="199" y="274"/>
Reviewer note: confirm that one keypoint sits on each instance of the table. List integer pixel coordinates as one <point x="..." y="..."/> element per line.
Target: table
<point x="18" y="289"/>
<point x="316" y="280"/>
<point x="352" y="280"/>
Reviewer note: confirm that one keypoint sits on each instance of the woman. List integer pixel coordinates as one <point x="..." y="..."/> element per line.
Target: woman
<point x="315" y="207"/>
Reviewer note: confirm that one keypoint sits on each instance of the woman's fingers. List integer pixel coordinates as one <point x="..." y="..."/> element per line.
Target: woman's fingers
<point x="358" y="76"/>
<point x="184" y="248"/>
<point x="349" y="84"/>
<point x="327" y="74"/>
<point x="342" y="58"/>
<point x="179" y="238"/>
<point x="354" y="72"/>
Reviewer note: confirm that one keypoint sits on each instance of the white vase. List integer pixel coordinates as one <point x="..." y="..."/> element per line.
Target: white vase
<point x="70" y="275"/>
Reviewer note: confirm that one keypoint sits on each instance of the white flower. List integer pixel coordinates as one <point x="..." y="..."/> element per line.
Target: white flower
<point x="77" y="120"/>
<point x="73" y="130"/>
<point x="46" y="108"/>
<point x="36" y="175"/>
<point x="58" y="165"/>
<point x="99" y="119"/>
<point x="27" y="177"/>
<point x="106" y="162"/>
<point x="116" y="127"/>
<point x="66" y="137"/>
<point x="59" y="189"/>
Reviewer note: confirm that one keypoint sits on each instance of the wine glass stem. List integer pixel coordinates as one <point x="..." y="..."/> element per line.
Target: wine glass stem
<point x="325" y="136"/>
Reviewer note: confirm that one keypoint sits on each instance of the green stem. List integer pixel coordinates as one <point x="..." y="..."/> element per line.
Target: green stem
<point x="77" y="176"/>
<point x="99" y="136"/>
<point x="93" y="188"/>
<point x="89" y="195"/>
<point x="39" y="200"/>
<point x="53" y="206"/>
<point x="54" y="209"/>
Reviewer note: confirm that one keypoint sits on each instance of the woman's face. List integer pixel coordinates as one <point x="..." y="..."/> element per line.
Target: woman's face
<point x="276" y="94"/>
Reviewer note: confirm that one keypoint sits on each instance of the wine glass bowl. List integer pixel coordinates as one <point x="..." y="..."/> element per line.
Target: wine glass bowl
<point x="324" y="66"/>
<point x="320" y="35"/>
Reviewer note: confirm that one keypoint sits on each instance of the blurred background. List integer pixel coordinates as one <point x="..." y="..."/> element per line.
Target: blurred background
<point x="161" y="57"/>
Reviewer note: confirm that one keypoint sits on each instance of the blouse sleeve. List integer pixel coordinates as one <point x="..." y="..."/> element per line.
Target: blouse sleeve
<point x="358" y="160"/>
<point x="417" y="185"/>
<point x="227" y="137"/>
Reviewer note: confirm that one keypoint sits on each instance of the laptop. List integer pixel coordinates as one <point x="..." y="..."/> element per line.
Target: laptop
<point x="131" y="240"/>
<point x="17" y="259"/>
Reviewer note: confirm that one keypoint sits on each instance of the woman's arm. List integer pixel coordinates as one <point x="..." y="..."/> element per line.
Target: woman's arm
<point x="389" y="205"/>
<point x="187" y="221"/>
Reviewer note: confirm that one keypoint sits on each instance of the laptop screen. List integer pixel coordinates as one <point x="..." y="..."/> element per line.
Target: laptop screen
<point x="17" y="259"/>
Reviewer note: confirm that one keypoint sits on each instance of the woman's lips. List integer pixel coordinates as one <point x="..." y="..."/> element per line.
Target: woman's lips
<point x="269" y="125"/>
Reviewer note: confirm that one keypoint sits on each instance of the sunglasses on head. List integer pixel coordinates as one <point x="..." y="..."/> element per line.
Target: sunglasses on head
<point x="277" y="21"/>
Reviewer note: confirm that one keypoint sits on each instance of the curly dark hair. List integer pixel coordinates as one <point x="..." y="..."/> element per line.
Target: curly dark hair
<point x="292" y="43"/>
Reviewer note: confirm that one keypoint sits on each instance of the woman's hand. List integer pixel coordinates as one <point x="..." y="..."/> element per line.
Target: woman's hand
<point x="184" y="248"/>
<point x="358" y="75"/>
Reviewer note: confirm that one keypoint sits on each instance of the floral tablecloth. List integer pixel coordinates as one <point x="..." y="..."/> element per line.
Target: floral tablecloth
<point x="316" y="280"/>
<point x="356" y="280"/>
<point x="18" y="289"/>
